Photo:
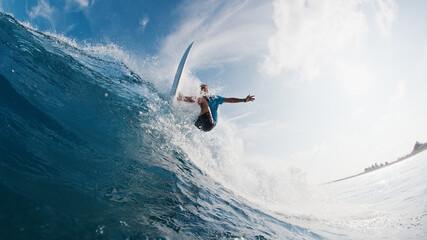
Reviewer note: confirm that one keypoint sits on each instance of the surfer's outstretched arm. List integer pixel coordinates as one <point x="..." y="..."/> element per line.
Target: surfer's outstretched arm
<point x="186" y="99"/>
<point x="249" y="98"/>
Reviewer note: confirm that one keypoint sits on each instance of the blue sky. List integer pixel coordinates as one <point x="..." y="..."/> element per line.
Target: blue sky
<point x="123" y="22"/>
<point x="339" y="84"/>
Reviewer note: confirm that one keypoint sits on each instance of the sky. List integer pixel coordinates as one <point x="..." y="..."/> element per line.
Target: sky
<point x="339" y="84"/>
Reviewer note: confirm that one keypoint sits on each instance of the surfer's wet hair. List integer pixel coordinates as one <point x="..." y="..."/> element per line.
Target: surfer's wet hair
<point x="203" y="86"/>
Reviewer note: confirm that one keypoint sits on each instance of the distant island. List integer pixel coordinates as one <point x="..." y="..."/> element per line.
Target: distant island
<point x="418" y="147"/>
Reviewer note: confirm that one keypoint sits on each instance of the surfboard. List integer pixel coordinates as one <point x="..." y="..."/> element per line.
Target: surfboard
<point x="177" y="79"/>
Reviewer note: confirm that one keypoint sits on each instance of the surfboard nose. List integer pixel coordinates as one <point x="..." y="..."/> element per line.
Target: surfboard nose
<point x="178" y="73"/>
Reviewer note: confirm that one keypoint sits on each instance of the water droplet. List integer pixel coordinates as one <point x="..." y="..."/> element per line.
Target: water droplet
<point x="123" y="223"/>
<point x="100" y="229"/>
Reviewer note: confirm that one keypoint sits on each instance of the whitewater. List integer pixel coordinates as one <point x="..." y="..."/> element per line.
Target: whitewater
<point x="90" y="149"/>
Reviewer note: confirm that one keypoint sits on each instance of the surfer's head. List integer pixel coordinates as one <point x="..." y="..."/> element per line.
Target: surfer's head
<point x="204" y="88"/>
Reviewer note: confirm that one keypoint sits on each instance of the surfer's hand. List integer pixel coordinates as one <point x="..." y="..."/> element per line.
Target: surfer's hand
<point x="250" y="98"/>
<point x="179" y="97"/>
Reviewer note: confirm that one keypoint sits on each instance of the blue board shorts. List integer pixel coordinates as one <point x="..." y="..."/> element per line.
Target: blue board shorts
<point x="205" y="122"/>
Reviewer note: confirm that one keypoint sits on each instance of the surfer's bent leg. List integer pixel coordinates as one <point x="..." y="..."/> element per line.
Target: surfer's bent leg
<point x="205" y="121"/>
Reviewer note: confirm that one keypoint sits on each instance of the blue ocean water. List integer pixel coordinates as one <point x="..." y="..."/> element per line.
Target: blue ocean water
<point x="91" y="150"/>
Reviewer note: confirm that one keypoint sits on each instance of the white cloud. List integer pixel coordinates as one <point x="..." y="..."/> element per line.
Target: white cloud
<point x="143" y="22"/>
<point x="82" y="3"/>
<point x="310" y="33"/>
<point x="386" y="15"/>
<point x="224" y="31"/>
<point x="76" y="5"/>
<point x="70" y="28"/>
<point x="42" y="9"/>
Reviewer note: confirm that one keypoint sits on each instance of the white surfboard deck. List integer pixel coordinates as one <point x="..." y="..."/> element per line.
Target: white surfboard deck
<point x="177" y="79"/>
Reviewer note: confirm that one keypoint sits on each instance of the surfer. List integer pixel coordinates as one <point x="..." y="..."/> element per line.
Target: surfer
<point x="209" y="106"/>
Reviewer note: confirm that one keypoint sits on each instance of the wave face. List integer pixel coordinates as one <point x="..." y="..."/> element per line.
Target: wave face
<point x="90" y="150"/>
<point x="87" y="151"/>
